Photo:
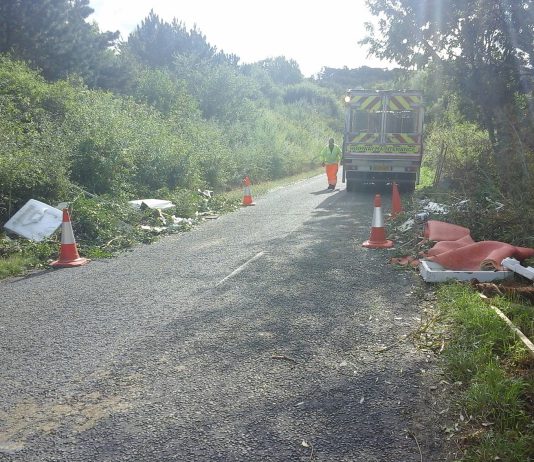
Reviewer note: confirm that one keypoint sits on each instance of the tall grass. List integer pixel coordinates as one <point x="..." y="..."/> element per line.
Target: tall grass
<point x="483" y="354"/>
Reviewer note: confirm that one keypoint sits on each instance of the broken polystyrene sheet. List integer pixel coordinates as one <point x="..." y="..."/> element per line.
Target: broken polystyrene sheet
<point x="422" y="216"/>
<point x="498" y="205"/>
<point x="176" y="221"/>
<point x="159" y="204"/>
<point x="513" y="265"/>
<point x="434" y="207"/>
<point x="155" y="229"/>
<point x="407" y="225"/>
<point x="35" y="221"/>
<point x="456" y="250"/>
<point x="206" y="193"/>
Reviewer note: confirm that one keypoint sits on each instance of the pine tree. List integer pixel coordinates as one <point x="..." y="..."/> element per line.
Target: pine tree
<point x="53" y="35"/>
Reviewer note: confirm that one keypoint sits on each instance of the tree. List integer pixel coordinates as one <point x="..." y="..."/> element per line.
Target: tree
<point x="361" y="77"/>
<point x="282" y="70"/>
<point x="482" y="46"/>
<point x="157" y="43"/>
<point x="53" y="36"/>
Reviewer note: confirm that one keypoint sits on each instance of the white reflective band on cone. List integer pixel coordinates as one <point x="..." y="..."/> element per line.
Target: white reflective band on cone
<point x="67" y="236"/>
<point x="378" y="220"/>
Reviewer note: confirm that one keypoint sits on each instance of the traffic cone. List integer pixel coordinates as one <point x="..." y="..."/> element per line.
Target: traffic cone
<point x="396" y="205"/>
<point x="68" y="252"/>
<point x="247" y="194"/>
<point x="378" y="240"/>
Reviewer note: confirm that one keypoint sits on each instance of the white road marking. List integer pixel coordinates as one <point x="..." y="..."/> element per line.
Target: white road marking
<point x="241" y="268"/>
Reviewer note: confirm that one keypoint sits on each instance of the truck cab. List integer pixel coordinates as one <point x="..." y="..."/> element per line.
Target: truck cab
<point x="383" y="138"/>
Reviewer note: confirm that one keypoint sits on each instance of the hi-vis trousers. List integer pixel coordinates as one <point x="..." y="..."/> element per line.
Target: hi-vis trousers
<point x="331" y="173"/>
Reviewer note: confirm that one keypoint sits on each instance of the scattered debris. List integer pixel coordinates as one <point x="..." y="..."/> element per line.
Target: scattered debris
<point x="158" y="204"/>
<point x="206" y="193"/>
<point x="513" y="265"/>
<point x="512" y="291"/>
<point x="456" y="250"/>
<point x="434" y="207"/>
<point x="179" y="221"/>
<point x="498" y="205"/>
<point x="154" y="229"/>
<point x="406" y="226"/>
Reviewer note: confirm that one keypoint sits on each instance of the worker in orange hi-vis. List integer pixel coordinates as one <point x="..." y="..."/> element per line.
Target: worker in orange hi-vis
<point x="330" y="158"/>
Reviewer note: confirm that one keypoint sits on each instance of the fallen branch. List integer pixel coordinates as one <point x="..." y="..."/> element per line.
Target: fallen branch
<point x="528" y="344"/>
<point x="109" y="243"/>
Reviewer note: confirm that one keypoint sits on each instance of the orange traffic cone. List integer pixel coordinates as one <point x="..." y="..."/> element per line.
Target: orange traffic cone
<point x="396" y="205"/>
<point x="68" y="252"/>
<point x="378" y="232"/>
<point x="247" y="195"/>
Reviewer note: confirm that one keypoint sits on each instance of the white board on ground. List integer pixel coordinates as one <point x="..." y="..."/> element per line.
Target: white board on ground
<point x="434" y="272"/>
<point x="35" y="220"/>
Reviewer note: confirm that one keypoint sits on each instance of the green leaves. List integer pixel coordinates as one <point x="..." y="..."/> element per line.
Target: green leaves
<point x="53" y="35"/>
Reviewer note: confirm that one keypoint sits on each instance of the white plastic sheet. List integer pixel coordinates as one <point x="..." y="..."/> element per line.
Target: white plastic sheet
<point x="35" y="221"/>
<point x="152" y="203"/>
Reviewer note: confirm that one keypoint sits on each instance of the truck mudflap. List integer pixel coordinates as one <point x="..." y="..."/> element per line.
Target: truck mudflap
<point x="358" y="180"/>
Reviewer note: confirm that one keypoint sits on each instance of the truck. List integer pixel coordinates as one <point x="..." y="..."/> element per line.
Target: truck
<point x="383" y="138"/>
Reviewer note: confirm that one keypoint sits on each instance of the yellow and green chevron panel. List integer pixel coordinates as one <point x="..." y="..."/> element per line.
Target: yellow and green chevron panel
<point x="402" y="138"/>
<point x="367" y="103"/>
<point x="365" y="138"/>
<point x="403" y="102"/>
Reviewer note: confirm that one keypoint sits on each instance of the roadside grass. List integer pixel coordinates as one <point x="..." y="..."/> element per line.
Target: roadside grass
<point x="496" y="375"/>
<point x="104" y="226"/>
<point x="15" y="264"/>
<point x="263" y="188"/>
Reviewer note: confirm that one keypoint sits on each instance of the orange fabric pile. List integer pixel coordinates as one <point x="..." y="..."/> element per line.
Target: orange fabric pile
<point x="456" y="250"/>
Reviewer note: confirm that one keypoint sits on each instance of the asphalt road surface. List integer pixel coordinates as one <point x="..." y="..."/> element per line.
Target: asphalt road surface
<point x="255" y="337"/>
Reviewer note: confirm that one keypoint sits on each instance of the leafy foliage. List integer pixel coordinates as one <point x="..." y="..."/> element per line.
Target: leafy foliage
<point x="483" y="49"/>
<point x="163" y="114"/>
<point x="53" y="35"/>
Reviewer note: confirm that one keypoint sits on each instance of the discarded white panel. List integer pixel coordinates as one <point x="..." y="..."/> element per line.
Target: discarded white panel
<point x="35" y="220"/>
<point x="513" y="265"/>
<point x="152" y="203"/>
<point x="434" y="272"/>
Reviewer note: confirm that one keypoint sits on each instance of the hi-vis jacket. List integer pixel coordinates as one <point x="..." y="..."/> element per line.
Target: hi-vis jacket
<point x="331" y="156"/>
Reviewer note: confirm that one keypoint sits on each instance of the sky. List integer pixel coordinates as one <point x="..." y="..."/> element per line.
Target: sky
<point x="314" y="34"/>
